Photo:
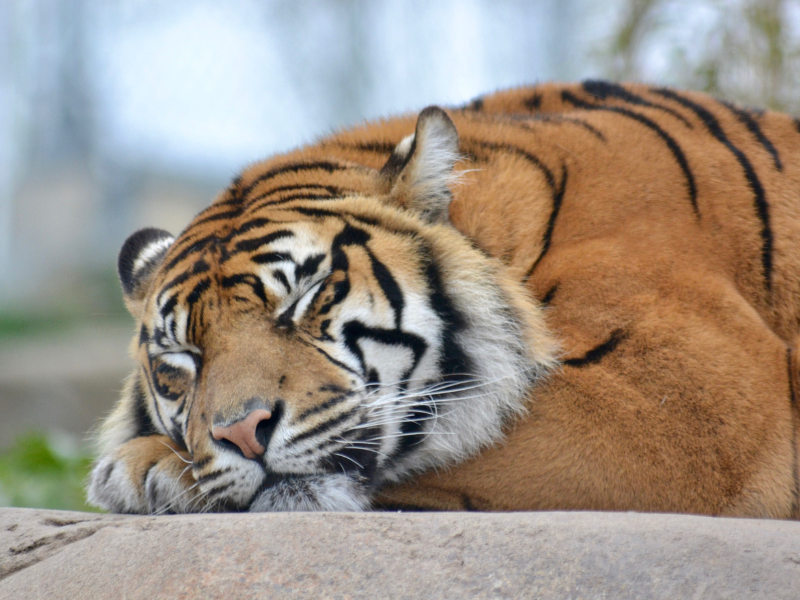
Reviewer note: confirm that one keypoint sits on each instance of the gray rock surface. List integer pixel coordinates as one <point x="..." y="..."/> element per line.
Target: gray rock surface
<point x="53" y="554"/>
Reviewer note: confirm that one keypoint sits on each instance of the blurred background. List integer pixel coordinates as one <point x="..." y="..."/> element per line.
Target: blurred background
<point x="119" y="114"/>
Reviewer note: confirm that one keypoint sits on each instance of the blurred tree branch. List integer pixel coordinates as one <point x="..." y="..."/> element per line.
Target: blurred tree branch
<point x="747" y="50"/>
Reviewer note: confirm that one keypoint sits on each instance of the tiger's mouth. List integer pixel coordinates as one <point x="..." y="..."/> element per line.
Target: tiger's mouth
<point x="332" y="492"/>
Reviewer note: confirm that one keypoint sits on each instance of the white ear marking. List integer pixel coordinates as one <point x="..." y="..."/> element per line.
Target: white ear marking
<point x="404" y="147"/>
<point x="148" y="253"/>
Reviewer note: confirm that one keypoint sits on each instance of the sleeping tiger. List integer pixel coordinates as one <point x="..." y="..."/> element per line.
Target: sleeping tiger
<point x="580" y="296"/>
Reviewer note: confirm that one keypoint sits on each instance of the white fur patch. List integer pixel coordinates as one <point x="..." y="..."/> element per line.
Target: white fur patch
<point x="149" y="252"/>
<point x="404" y="147"/>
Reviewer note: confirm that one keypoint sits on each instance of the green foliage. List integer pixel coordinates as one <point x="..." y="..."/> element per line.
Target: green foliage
<point x="35" y="474"/>
<point x="18" y="323"/>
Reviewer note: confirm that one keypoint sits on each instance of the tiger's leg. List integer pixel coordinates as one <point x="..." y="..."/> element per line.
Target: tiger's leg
<point x="146" y="475"/>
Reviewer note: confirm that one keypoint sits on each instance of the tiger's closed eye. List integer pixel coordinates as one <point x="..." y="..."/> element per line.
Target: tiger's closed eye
<point x="305" y="303"/>
<point x="172" y="374"/>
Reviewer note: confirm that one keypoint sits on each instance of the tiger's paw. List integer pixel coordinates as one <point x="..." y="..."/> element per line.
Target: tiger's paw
<point x="147" y="475"/>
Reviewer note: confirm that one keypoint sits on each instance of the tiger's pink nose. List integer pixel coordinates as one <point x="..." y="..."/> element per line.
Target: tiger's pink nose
<point x="242" y="433"/>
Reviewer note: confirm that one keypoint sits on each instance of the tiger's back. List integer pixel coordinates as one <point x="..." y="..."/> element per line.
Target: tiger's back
<point x="659" y="230"/>
<point x="666" y="248"/>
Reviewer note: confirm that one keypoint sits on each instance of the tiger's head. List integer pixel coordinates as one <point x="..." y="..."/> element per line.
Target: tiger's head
<point x="322" y="330"/>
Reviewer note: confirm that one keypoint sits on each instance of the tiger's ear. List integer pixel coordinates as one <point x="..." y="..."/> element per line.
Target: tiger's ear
<point x="420" y="170"/>
<point x="138" y="261"/>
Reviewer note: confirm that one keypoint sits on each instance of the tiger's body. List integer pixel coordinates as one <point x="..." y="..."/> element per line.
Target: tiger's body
<point x="586" y="298"/>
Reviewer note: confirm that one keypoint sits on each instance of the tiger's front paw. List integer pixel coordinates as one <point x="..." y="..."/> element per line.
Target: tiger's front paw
<point x="147" y="475"/>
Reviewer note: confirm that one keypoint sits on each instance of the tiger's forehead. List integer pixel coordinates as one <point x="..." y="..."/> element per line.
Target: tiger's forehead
<point x="301" y="176"/>
<point x="268" y="262"/>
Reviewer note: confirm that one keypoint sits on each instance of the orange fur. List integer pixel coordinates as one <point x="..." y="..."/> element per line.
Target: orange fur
<point x="692" y="412"/>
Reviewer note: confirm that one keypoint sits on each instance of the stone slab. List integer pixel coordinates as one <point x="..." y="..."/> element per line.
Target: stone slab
<point x="55" y="554"/>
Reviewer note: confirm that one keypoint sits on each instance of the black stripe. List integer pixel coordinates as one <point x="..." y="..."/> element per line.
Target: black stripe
<point x="548" y="297"/>
<point x="212" y="476"/>
<point x="467" y="503"/>
<point x="349" y="236"/>
<point x="533" y="102"/>
<point x="143" y="424"/>
<point x="247" y="279"/>
<point x="323" y="165"/>
<point x="228" y="214"/>
<point x="165" y="371"/>
<point x="340" y="290"/>
<point x="293" y="198"/>
<point x="650" y="124"/>
<point x="196" y="322"/>
<point x="256" y="243"/>
<point x="349" y="459"/>
<point x="558" y="197"/>
<point x="454" y="364"/>
<point x="354" y="331"/>
<point x="196" y="246"/>
<point x="373" y="146"/>
<point x="561" y="119"/>
<point x="397" y="162"/>
<point x="285" y="319"/>
<point x="323" y="406"/>
<point x="199" y="464"/>
<point x="177" y="435"/>
<point x="531" y="158"/>
<point x="322" y="213"/>
<point x="389" y="287"/>
<point x="197" y="291"/>
<point x="270" y="257"/>
<point x="192" y="304"/>
<point x="322" y="427"/>
<point x="146" y="379"/>
<point x="474" y="104"/>
<point x="282" y="279"/>
<point x="762" y="208"/>
<point x="349" y="436"/>
<point x="246" y="227"/>
<point x="167" y="308"/>
<point x="746" y="119"/>
<point x="309" y="267"/>
<point x="412" y="431"/>
<point x="220" y="489"/>
<point x="331" y="189"/>
<point x="200" y="266"/>
<point x="602" y="90"/>
<point x="338" y="363"/>
<point x="596" y="354"/>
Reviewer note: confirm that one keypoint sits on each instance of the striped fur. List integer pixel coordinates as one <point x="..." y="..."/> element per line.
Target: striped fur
<point x="384" y="297"/>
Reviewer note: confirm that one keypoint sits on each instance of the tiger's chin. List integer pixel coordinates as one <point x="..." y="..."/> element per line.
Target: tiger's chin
<point x="305" y="493"/>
